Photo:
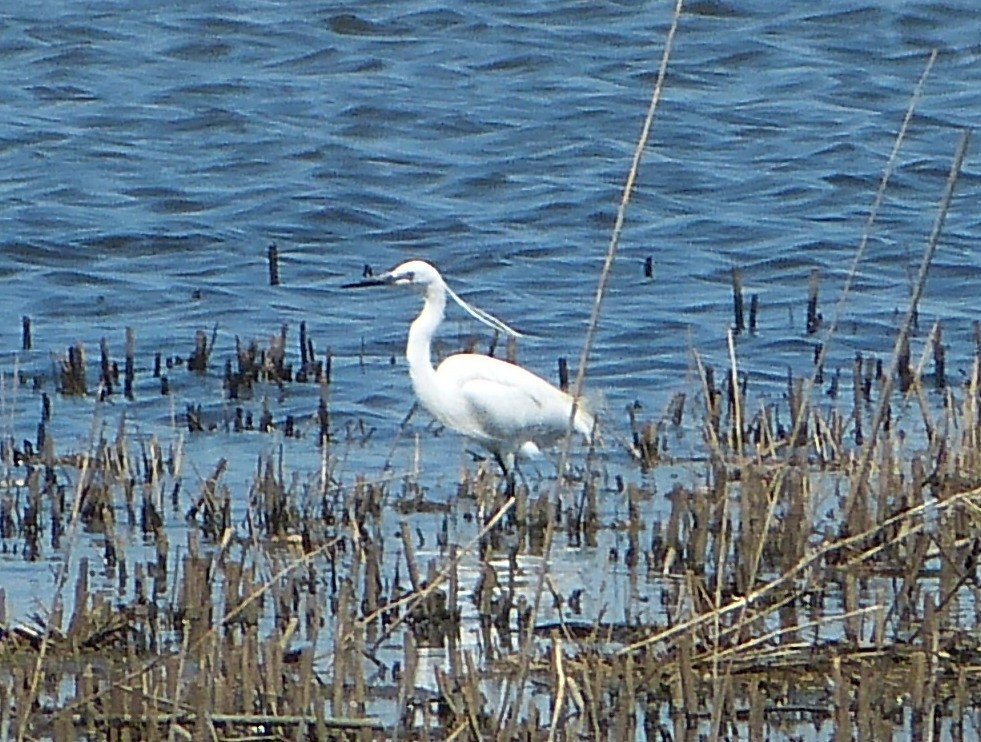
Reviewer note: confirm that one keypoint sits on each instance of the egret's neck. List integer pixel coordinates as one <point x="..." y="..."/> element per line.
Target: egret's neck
<point x="417" y="349"/>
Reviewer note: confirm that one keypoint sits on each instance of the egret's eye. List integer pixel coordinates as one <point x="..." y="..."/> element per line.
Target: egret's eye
<point x="407" y="277"/>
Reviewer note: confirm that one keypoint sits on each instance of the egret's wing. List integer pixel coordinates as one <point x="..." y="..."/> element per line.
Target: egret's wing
<point x="507" y="401"/>
<point x="504" y="412"/>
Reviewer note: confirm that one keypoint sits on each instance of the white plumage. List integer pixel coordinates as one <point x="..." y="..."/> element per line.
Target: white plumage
<point x="501" y="406"/>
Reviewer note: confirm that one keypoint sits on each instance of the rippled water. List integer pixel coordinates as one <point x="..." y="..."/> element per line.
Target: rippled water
<point x="149" y="155"/>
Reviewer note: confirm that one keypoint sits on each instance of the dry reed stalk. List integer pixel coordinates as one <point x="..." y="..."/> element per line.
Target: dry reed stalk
<point x="874" y="210"/>
<point x="767" y="649"/>
<point x="508" y="727"/>
<point x="342" y="655"/>
<point x="968" y="498"/>
<point x="858" y="481"/>
<point x="26" y="342"/>
<point x="26" y="701"/>
<point x="174" y="684"/>
<point x="805" y="391"/>
<point x="738" y="318"/>
<point x="878" y="418"/>
<point x="72" y="372"/>
<point x="710" y="395"/>
<point x="934" y="344"/>
<point x="737" y="403"/>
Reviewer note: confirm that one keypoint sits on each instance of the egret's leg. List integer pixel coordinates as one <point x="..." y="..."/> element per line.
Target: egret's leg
<point x="509" y="484"/>
<point x="501" y="462"/>
<point x="509" y="466"/>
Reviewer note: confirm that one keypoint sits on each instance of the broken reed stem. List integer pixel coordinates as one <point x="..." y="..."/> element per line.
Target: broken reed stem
<point x="712" y="437"/>
<point x="410" y="555"/>
<point x="273" y="256"/>
<point x="130" y="368"/>
<point x="858" y="480"/>
<point x="813" y="322"/>
<point x="939" y="357"/>
<point x="738" y="318"/>
<point x="737" y="408"/>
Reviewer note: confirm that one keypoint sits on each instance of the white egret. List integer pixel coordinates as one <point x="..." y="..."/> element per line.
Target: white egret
<point x="503" y="407"/>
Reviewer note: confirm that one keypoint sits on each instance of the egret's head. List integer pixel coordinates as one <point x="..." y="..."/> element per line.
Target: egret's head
<point x="421" y="274"/>
<point x="414" y="273"/>
<point x="410" y="273"/>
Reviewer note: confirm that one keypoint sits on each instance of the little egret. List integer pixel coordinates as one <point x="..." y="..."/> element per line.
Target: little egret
<point x="503" y="407"/>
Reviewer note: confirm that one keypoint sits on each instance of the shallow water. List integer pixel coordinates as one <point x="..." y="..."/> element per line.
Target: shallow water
<point x="150" y="155"/>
